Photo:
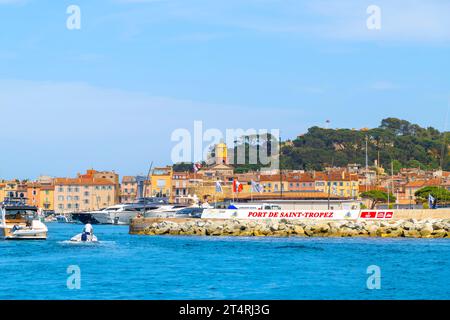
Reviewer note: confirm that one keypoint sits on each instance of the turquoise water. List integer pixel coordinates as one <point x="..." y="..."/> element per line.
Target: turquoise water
<point x="144" y="267"/>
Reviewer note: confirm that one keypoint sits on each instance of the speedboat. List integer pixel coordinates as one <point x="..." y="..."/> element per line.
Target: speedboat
<point x="81" y="237"/>
<point x="20" y="221"/>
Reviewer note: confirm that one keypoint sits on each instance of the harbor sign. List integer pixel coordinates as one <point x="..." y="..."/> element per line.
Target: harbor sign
<point x="296" y="214"/>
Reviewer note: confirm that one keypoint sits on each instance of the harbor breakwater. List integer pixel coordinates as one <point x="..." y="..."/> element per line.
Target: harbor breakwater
<point x="409" y="228"/>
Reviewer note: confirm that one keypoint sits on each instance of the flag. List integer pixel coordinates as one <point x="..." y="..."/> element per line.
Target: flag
<point x="237" y="186"/>
<point x="197" y="166"/>
<point x="218" y="187"/>
<point x="256" y="187"/>
<point x="431" y="201"/>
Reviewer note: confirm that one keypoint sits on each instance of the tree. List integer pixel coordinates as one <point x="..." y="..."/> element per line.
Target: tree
<point x="396" y="140"/>
<point x="377" y="196"/>
<point x="183" y="167"/>
<point x="438" y="193"/>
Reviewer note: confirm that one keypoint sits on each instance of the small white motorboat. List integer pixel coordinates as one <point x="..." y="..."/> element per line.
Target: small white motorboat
<point x="82" y="237"/>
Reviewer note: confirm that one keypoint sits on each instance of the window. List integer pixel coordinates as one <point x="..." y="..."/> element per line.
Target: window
<point x="60" y="198"/>
<point x="77" y="189"/>
<point x="69" y="206"/>
<point x="76" y="206"/>
<point x="86" y="201"/>
<point x="61" y="189"/>
<point x="86" y="193"/>
<point x="76" y="198"/>
<point x="69" y="198"/>
<point x="69" y="189"/>
<point x="60" y="206"/>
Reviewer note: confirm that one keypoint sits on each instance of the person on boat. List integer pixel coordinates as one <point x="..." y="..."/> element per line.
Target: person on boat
<point x="88" y="232"/>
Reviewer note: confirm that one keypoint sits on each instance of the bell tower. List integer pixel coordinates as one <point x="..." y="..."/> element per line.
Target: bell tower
<point x="221" y="152"/>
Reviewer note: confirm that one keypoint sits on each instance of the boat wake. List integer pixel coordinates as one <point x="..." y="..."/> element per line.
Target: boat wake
<point x="87" y="243"/>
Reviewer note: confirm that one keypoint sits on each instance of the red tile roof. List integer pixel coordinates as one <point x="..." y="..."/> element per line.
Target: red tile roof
<point x="83" y="181"/>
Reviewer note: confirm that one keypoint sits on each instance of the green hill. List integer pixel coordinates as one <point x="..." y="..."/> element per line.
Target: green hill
<point x="404" y="143"/>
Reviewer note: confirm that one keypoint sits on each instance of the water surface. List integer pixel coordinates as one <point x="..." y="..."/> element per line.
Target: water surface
<point x="180" y="267"/>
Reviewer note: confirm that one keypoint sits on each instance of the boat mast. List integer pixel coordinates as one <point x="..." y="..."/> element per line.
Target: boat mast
<point x="145" y="183"/>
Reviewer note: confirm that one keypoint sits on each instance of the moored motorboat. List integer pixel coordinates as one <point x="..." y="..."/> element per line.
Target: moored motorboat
<point x="62" y="219"/>
<point x="20" y="221"/>
<point x="122" y="214"/>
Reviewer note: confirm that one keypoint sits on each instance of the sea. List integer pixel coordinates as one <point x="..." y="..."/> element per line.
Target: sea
<point x="124" y="266"/>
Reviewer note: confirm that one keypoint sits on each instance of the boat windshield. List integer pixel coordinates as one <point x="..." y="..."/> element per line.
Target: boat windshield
<point x="21" y="214"/>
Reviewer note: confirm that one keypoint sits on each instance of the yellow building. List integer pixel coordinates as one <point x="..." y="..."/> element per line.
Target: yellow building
<point x="161" y="182"/>
<point x="274" y="183"/>
<point x="11" y="188"/>
<point x="47" y="198"/>
<point x="2" y="191"/>
<point x="341" y="184"/>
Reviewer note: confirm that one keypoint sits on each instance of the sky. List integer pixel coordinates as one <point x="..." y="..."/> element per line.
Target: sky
<point x="110" y="94"/>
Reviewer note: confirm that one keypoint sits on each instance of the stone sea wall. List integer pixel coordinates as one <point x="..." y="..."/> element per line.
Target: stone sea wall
<point x="410" y="228"/>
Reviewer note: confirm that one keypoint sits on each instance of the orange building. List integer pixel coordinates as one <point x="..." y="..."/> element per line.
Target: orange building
<point x="33" y="193"/>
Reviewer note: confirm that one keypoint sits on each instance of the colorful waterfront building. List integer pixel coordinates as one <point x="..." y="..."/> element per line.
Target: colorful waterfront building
<point x="109" y="175"/>
<point x="161" y="182"/>
<point x="33" y="193"/>
<point x="128" y="189"/>
<point x="2" y="190"/>
<point x="337" y="183"/>
<point x="411" y="187"/>
<point x="273" y="183"/>
<point x="180" y="181"/>
<point x="83" y="194"/>
<point x="47" y="197"/>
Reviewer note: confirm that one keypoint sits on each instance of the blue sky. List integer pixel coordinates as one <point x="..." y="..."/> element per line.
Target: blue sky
<point x="109" y="95"/>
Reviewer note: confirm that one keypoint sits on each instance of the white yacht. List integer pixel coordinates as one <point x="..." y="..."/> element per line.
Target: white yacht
<point x="164" y="211"/>
<point x="120" y="214"/>
<point x="19" y="221"/>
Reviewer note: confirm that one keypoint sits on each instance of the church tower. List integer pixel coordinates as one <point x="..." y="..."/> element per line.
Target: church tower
<point x="221" y="153"/>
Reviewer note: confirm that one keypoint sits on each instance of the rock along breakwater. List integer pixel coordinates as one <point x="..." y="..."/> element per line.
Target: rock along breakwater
<point x="410" y="228"/>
